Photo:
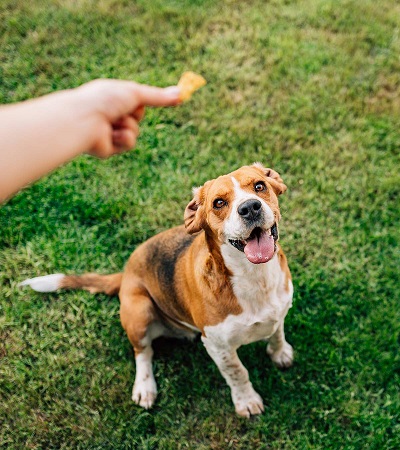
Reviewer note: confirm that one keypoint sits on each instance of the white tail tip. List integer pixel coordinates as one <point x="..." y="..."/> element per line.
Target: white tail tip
<point x="48" y="283"/>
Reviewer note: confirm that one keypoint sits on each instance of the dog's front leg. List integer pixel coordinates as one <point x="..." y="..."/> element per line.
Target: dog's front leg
<point x="279" y="350"/>
<point x="245" y="398"/>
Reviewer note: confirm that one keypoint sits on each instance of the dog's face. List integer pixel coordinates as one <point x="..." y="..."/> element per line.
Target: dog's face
<point x="240" y="209"/>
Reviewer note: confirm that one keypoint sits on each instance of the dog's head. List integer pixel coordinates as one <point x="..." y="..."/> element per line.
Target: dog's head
<point x="240" y="209"/>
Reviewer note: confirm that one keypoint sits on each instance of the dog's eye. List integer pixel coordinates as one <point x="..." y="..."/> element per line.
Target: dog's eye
<point x="219" y="203"/>
<point x="260" y="186"/>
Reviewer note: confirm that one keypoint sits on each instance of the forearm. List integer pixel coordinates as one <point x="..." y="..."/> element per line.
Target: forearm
<point x="39" y="135"/>
<point x="100" y="117"/>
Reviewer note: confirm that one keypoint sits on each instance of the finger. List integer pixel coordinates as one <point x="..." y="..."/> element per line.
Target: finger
<point x="102" y="152"/>
<point x="127" y="122"/>
<point x="123" y="139"/>
<point x="138" y="114"/>
<point x="155" y="96"/>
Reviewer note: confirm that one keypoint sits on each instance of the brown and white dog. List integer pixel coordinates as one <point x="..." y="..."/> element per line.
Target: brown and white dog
<point x="222" y="274"/>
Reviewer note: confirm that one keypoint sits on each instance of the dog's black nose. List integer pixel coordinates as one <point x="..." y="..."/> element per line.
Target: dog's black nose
<point x="250" y="209"/>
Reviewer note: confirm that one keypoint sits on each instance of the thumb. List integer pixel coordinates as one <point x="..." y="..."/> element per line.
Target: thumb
<point x="155" y="96"/>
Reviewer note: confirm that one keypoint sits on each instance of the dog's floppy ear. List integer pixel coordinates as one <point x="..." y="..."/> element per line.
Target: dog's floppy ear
<point x="194" y="216"/>
<point x="274" y="179"/>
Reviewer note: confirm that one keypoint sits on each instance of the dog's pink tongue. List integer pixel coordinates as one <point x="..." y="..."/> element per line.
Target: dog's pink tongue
<point x="260" y="249"/>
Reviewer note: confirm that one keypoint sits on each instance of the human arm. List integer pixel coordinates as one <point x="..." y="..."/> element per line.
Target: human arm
<point x="100" y="117"/>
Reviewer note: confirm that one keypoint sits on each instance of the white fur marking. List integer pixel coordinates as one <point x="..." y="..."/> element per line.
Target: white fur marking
<point x="283" y="357"/>
<point x="195" y="190"/>
<point x="244" y="397"/>
<point x="261" y="292"/>
<point x="234" y="227"/>
<point x="191" y="327"/>
<point x="144" y="390"/>
<point x="48" y="283"/>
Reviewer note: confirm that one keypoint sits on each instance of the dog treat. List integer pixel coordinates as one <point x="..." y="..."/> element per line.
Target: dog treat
<point x="188" y="83"/>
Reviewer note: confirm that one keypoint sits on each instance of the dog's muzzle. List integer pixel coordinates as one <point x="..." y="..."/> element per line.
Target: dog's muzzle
<point x="260" y="246"/>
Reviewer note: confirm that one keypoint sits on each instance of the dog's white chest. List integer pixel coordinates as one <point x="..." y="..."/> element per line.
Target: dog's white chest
<point x="261" y="292"/>
<point x="246" y="328"/>
<point x="249" y="326"/>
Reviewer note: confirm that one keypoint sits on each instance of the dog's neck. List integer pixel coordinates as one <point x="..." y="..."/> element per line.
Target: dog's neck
<point x="229" y="260"/>
<point x="230" y="272"/>
<point x="214" y="249"/>
<point x="239" y="266"/>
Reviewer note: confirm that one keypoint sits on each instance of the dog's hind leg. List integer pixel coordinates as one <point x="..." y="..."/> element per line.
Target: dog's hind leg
<point x="139" y="319"/>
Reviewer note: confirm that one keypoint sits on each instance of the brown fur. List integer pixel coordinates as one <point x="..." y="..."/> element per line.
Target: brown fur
<point x="200" y="297"/>
<point x="285" y="268"/>
<point x="94" y="283"/>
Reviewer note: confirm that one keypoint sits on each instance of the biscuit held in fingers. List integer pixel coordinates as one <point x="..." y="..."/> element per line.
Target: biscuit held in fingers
<point x="189" y="83"/>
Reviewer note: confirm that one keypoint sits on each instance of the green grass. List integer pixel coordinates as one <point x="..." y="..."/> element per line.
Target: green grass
<point x="310" y="88"/>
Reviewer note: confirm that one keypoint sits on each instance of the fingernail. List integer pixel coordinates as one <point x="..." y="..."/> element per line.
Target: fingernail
<point x="173" y="92"/>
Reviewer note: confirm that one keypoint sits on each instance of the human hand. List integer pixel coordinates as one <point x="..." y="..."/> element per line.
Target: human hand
<point x="114" y="109"/>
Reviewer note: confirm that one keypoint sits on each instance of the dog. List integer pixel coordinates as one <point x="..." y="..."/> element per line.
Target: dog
<point x="222" y="274"/>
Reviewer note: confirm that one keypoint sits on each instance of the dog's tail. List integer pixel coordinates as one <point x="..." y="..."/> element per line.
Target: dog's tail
<point x="92" y="282"/>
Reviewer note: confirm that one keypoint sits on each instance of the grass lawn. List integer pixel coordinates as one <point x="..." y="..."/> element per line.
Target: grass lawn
<point x="308" y="87"/>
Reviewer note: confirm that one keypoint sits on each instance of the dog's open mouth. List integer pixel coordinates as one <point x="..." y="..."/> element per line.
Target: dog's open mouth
<point x="260" y="246"/>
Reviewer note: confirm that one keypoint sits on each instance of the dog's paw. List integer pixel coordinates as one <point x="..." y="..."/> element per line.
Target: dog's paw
<point x="144" y="393"/>
<point x="282" y="358"/>
<point x="248" y="403"/>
